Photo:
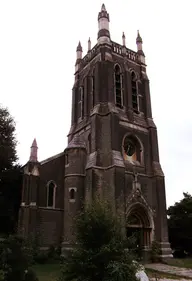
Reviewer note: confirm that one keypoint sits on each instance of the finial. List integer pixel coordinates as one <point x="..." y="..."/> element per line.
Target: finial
<point x="89" y="44"/>
<point x="33" y="154"/>
<point x="139" y="43"/>
<point x="34" y="143"/>
<point x="103" y="24"/>
<point x="79" y="47"/>
<point x="123" y="39"/>
<point x="103" y="7"/>
<point x="139" y="39"/>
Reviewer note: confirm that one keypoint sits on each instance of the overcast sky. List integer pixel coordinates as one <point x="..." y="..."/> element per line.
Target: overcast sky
<point x="38" y="42"/>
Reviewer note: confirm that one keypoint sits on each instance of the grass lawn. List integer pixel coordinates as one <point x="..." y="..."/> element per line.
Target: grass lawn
<point x="50" y="272"/>
<point x="47" y="272"/>
<point x="187" y="262"/>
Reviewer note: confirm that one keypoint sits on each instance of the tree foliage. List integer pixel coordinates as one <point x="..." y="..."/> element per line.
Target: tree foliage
<point x="15" y="260"/>
<point x="10" y="173"/>
<point x="8" y="141"/>
<point x="102" y="252"/>
<point x="180" y="224"/>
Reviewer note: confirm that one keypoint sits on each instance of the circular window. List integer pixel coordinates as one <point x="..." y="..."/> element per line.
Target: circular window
<point x="129" y="148"/>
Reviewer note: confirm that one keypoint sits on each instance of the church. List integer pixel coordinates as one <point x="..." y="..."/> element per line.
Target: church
<point x="112" y="151"/>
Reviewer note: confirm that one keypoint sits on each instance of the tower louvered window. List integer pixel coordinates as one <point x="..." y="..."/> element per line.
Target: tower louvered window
<point x="81" y="103"/>
<point x="93" y="90"/>
<point x="118" y="87"/>
<point x="134" y="92"/>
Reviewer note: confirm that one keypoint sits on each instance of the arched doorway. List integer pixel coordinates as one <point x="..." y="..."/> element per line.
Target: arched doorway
<point x="138" y="224"/>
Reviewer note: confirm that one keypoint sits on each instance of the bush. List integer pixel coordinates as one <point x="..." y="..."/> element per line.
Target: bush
<point x="54" y="253"/>
<point x="30" y="275"/>
<point x="41" y="257"/>
<point x="155" y="251"/>
<point x="32" y="248"/>
<point x="179" y="253"/>
<point x="14" y="259"/>
<point x="2" y="275"/>
<point x="102" y="251"/>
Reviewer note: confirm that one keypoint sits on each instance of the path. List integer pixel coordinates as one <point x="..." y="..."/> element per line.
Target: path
<point x="179" y="271"/>
<point x="164" y="279"/>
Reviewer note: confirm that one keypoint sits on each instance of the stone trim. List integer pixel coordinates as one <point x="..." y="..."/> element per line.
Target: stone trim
<point x="103" y="168"/>
<point x="51" y="209"/>
<point x="33" y="204"/>
<point x="51" y="158"/>
<point x="118" y="159"/>
<point x="166" y="256"/>
<point x="132" y="126"/>
<point x="75" y="175"/>
<point x="140" y="174"/>
<point x="75" y="188"/>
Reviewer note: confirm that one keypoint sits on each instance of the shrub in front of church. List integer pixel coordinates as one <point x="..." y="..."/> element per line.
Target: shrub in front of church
<point x="30" y="275"/>
<point x="100" y="253"/>
<point x="38" y="256"/>
<point x="52" y="255"/>
<point x="155" y="252"/>
<point x="32" y="248"/>
<point x="2" y="275"/>
<point x="14" y="259"/>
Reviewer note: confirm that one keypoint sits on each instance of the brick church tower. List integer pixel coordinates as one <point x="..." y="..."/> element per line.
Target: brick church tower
<point x="112" y="150"/>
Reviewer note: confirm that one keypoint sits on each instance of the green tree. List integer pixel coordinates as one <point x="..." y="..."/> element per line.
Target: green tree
<point x="180" y="224"/>
<point x="15" y="260"/>
<point x="102" y="252"/>
<point x="10" y="173"/>
<point x="7" y="140"/>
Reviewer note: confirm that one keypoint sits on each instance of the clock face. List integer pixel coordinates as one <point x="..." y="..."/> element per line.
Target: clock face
<point x="129" y="148"/>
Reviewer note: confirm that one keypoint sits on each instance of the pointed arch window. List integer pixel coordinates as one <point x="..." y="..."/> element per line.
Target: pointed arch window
<point x="66" y="159"/>
<point x="89" y="144"/>
<point x="93" y="90"/>
<point x="72" y="192"/>
<point x="81" y="103"/>
<point x="118" y="86"/>
<point x="51" y="191"/>
<point x="135" y="103"/>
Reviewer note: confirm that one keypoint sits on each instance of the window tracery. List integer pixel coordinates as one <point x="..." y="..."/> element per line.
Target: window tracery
<point x="81" y="103"/>
<point x="134" y="89"/>
<point x="118" y="86"/>
<point x="132" y="150"/>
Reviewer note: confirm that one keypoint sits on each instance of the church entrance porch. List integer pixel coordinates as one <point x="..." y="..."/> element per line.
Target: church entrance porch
<point x="138" y="225"/>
